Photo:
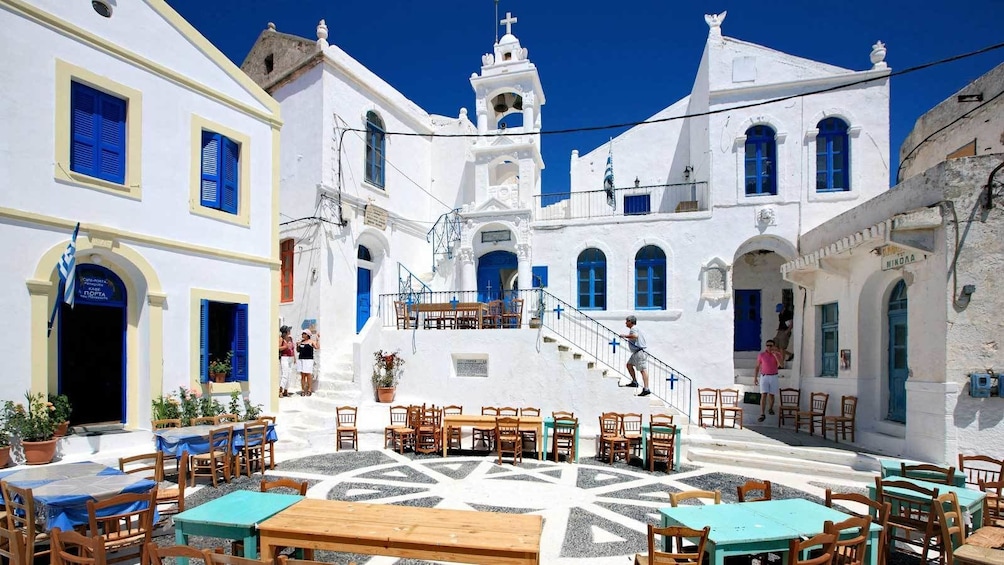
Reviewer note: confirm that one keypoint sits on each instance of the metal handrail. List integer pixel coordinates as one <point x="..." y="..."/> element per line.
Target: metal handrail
<point x="443" y="235"/>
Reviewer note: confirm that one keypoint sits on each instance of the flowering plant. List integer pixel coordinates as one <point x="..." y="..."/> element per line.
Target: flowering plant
<point x="34" y="423"/>
<point x="166" y="408"/>
<point x="387" y="368"/>
<point x="5" y="418"/>
<point x="222" y="365"/>
<point x="62" y="406"/>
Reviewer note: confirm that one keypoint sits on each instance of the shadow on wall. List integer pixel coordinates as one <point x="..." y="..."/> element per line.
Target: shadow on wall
<point x="986" y="412"/>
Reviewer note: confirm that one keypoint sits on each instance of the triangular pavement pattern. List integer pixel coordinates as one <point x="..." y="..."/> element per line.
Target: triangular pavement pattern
<point x="459" y="470"/>
<point x="501" y="509"/>
<point x="402" y="473"/>
<point x="586" y="532"/>
<point x="642" y="514"/>
<point x="520" y="477"/>
<point x="556" y="473"/>
<point x="354" y="492"/>
<point x="654" y="492"/>
<point x="592" y="478"/>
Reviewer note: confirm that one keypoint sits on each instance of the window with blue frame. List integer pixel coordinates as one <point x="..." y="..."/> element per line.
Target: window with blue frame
<point x="830" y="347"/>
<point x="220" y="187"/>
<point x="637" y="205"/>
<point x="224" y="330"/>
<point x="375" y="145"/>
<point x="539" y="273"/>
<point x="833" y="164"/>
<point x="97" y="133"/>
<point x="650" y="279"/>
<point x="761" y="161"/>
<point x="592" y="279"/>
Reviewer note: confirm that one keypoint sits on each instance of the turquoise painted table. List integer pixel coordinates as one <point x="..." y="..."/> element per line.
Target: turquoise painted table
<point x="759" y="527"/>
<point x="548" y="426"/>
<point x="891" y="468"/>
<point x="970" y="500"/>
<point x="677" y="444"/>
<point x="233" y="516"/>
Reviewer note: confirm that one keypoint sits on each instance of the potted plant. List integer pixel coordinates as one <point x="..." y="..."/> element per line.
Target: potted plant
<point x="61" y="413"/>
<point x="35" y="428"/>
<point x="220" y="368"/>
<point x="5" y="414"/>
<point x="387" y="368"/>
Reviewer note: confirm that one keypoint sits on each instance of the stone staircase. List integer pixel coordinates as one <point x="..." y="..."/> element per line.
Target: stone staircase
<point x="309" y="422"/>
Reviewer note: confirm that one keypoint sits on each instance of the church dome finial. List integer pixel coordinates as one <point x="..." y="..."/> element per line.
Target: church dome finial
<point x="322" y="35"/>
<point x="714" y="22"/>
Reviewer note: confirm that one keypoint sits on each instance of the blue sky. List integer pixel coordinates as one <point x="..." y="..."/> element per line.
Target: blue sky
<point x="615" y="62"/>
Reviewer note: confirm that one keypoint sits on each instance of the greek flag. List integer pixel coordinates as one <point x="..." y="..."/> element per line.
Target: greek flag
<point x="68" y="269"/>
<point x="608" y="179"/>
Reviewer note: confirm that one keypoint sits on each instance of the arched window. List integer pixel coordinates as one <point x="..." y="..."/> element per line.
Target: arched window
<point x="650" y="279"/>
<point x="374" y="149"/>
<point x="592" y="277"/>
<point x="761" y="161"/>
<point x="833" y="164"/>
<point x="364" y="253"/>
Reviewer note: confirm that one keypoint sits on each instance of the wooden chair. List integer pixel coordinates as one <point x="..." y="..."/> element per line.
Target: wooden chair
<point x="170" y="500"/>
<point x="405" y="437"/>
<point x="217" y="460"/>
<point x="559" y="415"/>
<point x="346" y="430"/>
<point x="993" y="509"/>
<point x="512" y="317"/>
<point x="952" y="524"/>
<point x="743" y="490"/>
<point x="270" y="457"/>
<point x="219" y="558"/>
<point x="707" y="406"/>
<point x="158" y="553"/>
<point x="816" y="411"/>
<point x="71" y="548"/>
<point x="675" y="555"/>
<point x="398" y="421"/>
<point x="507" y="435"/>
<point x="485" y="435"/>
<point x="12" y="546"/>
<point x="730" y="408"/>
<point x="22" y="517"/>
<point x="675" y="498"/>
<point x="453" y="434"/>
<point x="790" y="401"/>
<point x="167" y="423"/>
<point x="662" y="446"/>
<point x="913" y="514"/>
<point x="852" y="550"/>
<point x="493" y="319"/>
<point x="124" y="530"/>
<point x="929" y="473"/>
<point x="978" y="468"/>
<point x="529" y="436"/>
<point x="878" y="512"/>
<point x="843" y="421"/>
<point x="611" y="442"/>
<point x="283" y="560"/>
<point x="253" y="451"/>
<point x="660" y="420"/>
<point x="206" y="421"/>
<point x="631" y="429"/>
<point x="824" y="556"/>
<point x="429" y="433"/>
<point x="405" y="320"/>
<point x="228" y="419"/>
<point x="563" y="440"/>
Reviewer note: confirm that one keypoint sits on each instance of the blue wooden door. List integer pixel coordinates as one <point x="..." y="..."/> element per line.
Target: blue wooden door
<point x="362" y="297"/>
<point x="747" y="320"/>
<point x="490" y="267"/>
<point x="899" y="368"/>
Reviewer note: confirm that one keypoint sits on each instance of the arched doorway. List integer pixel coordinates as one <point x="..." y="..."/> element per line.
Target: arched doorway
<point x="92" y="347"/>
<point x="495" y="274"/>
<point x="364" y="284"/>
<point x="899" y="368"/>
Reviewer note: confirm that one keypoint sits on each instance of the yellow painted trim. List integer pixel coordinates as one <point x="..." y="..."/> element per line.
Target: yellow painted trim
<point x="153" y="241"/>
<point x="67" y="73"/>
<point x="271" y="116"/>
<point x="273" y="399"/>
<point x="243" y="216"/>
<point x="119" y="258"/>
<point x="197" y="295"/>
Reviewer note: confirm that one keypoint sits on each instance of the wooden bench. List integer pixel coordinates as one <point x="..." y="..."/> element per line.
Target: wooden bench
<point x="431" y="534"/>
<point x="462" y="315"/>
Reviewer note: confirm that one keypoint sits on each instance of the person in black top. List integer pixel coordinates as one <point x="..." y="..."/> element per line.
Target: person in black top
<point x="305" y="353"/>
<point x="785" y="319"/>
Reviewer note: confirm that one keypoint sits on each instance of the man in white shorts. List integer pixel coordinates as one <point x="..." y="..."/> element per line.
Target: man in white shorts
<point x="765" y="375"/>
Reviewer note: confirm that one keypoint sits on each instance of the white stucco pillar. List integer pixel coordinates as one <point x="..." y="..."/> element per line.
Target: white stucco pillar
<point x="524" y="270"/>
<point x="468" y="276"/>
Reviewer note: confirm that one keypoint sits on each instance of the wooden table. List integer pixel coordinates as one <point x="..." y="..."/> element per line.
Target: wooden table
<point x="891" y="468"/>
<point x="526" y="423"/>
<point x="677" y="443"/>
<point x="232" y="516"/>
<point x="431" y="534"/>
<point x="451" y="314"/>
<point x="970" y="500"/>
<point x="759" y="527"/>
<point x="195" y="439"/>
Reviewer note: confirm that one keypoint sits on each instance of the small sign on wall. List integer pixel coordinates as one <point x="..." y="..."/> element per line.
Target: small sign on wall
<point x="470" y="365"/>
<point x="894" y="257"/>
<point x="845" y="359"/>
<point x="375" y="216"/>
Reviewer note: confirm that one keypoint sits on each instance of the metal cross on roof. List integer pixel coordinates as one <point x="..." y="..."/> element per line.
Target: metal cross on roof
<point x="508" y="21"/>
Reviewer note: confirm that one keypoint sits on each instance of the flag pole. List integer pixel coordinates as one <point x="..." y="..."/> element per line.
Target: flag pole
<point x="55" y="308"/>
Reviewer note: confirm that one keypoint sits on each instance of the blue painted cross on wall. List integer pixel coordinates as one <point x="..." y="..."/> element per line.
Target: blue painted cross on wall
<point x="615" y="343"/>
<point x="558" y="310"/>
<point x="671" y="379"/>
<point x="454" y="302"/>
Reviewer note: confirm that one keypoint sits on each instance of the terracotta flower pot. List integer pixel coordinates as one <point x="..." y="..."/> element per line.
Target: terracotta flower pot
<point x="4" y="456"/>
<point x="218" y="377"/>
<point x="62" y="428"/>
<point x="39" y="452"/>
<point x="385" y="393"/>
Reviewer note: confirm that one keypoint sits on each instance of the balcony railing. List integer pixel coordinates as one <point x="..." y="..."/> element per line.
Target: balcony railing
<point x="633" y="201"/>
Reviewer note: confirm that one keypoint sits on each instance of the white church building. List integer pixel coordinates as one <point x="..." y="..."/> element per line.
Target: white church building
<point x="383" y="202"/>
<point x="121" y="118"/>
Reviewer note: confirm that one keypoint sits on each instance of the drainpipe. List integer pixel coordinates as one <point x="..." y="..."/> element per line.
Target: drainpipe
<point x="988" y="203"/>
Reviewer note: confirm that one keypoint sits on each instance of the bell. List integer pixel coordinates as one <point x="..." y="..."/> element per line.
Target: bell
<point x="518" y="104"/>
<point x="500" y="106"/>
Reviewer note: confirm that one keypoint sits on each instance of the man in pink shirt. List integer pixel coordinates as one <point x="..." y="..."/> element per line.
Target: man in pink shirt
<point x="765" y="375"/>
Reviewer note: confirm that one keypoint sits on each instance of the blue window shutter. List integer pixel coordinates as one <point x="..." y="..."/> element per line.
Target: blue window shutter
<point x="203" y="341"/>
<point x="539" y="276"/>
<point x="230" y="174"/>
<point x="112" y="140"/>
<point x="240" y="360"/>
<point x="210" y="170"/>
<point x="83" y="130"/>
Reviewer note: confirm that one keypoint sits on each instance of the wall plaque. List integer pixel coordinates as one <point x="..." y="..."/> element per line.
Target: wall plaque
<point x="375" y="216"/>
<point x="495" y="236"/>
<point x="471" y="366"/>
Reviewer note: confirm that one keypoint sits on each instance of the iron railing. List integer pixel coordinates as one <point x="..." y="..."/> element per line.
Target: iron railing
<point x="633" y="201"/>
<point x="603" y="345"/>
<point x="444" y="235"/>
<point x="410" y="287"/>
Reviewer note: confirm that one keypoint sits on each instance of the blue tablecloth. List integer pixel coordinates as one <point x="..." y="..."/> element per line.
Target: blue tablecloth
<point x="61" y="492"/>
<point x="195" y="439"/>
